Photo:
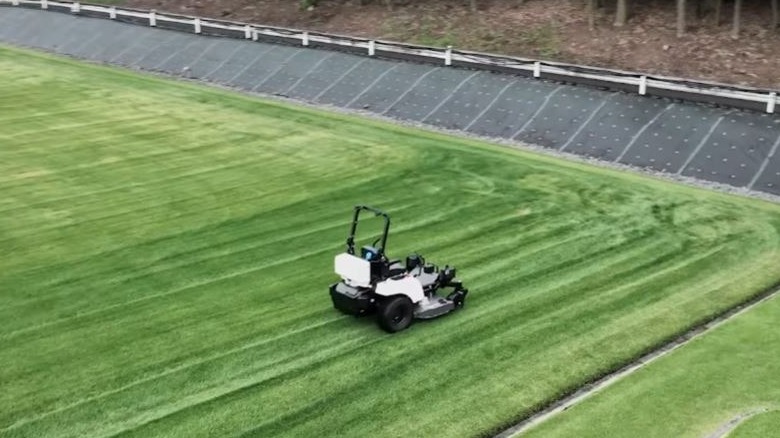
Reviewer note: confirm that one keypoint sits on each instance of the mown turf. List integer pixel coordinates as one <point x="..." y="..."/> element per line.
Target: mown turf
<point x="764" y="424"/>
<point x="695" y="391"/>
<point x="167" y="250"/>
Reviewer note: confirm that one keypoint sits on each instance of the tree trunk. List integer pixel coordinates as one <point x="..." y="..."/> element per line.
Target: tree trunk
<point x="473" y="5"/>
<point x="680" y="18"/>
<point x="737" y="18"/>
<point x="775" y="14"/>
<point x="622" y="13"/>
<point x="718" y="8"/>
<point x="591" y="14"/>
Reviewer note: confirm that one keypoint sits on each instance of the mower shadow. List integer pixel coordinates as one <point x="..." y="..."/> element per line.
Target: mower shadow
<point x="369" y="321"/>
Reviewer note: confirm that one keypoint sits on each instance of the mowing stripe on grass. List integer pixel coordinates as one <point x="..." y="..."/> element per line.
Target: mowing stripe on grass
<point x="168" y="277"/>
<point x="592" y="388"/>
<point x="167" y="372"/>
<point x="190" y="286"/>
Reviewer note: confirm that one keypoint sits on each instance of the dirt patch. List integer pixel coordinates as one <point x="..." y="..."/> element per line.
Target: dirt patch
<point x="555" y="30"/>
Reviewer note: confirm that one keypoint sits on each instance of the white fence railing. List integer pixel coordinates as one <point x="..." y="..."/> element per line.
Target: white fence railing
<point x="745" y="97"/>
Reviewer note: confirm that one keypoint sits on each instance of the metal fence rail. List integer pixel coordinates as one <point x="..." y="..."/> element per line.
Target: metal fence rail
<point x="707" y="92"/>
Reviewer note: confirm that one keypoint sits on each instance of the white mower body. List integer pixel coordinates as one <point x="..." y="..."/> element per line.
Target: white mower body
<point x="356" y="272"/>
<point x="407" y="285"/>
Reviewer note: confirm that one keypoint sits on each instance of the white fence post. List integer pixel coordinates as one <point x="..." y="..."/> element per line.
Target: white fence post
<point x="371" y="48"/>
<point x="15" y="2"/>
<point x="770" y="106"/>
<point x="537" y="69"/>
<point x="643" y="85"/>
<point x="448" y="56"/>
<point x="305" y="39"/>
<point x="196" y="23"/>
<point x="247" y="31"/>
<point x="44" y="4"/>
<point x="112" y="13"/>
<point x="152" y="18"/>
<point x="75" y="8"/>
<point x="254" y="34"/>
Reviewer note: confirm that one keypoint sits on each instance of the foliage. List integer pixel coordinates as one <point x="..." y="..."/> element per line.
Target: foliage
<point x="306" y="4"/>
<point x="543" y="40"/>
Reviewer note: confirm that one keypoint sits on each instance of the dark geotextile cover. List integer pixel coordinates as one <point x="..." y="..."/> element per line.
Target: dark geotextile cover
<point x="723" y="145"/>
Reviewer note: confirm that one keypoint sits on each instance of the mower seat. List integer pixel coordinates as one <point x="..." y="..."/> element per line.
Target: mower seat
<point x="353" y="269"/>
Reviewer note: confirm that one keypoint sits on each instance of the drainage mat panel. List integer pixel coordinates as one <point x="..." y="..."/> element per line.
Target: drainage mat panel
<point x="180" y="60"/>
<point x="359" y="77"/>
<point x="769" y="179"/>
<point x="736" y="149"/>
<point x="513" y="108"/>
<point x="324" y="74"/>
<point x="467" y="103"/>
<point x="237" y="60"/>
<point x="289" y="71"/>
<point x="563" y="112"/>
<point x="389" y="86"/>
<point x="156" y="57"/>
<point x="217" y="52"/>
<point x="432" y="89"/>
<point x="670" y="142"/>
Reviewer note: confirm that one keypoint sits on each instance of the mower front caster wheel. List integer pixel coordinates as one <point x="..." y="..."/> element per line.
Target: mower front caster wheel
<point x="458" y="298"/>
<point x="396" y="314"/>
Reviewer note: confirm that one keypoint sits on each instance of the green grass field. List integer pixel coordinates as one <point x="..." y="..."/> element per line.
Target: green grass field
<point x="167" y="250"/>
<point x="693" y="392"/>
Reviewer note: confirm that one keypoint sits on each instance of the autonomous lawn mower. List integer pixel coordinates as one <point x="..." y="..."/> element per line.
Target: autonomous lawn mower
<point x="397" y="292"/>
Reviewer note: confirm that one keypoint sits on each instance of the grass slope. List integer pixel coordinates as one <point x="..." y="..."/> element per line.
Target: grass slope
<point x="693" y="392"/>
<point x="168" y="247"/>
<point x="766" y="424"/>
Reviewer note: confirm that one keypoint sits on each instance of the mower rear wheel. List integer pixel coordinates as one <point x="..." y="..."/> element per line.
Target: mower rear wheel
<point x="396" y="314"/>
